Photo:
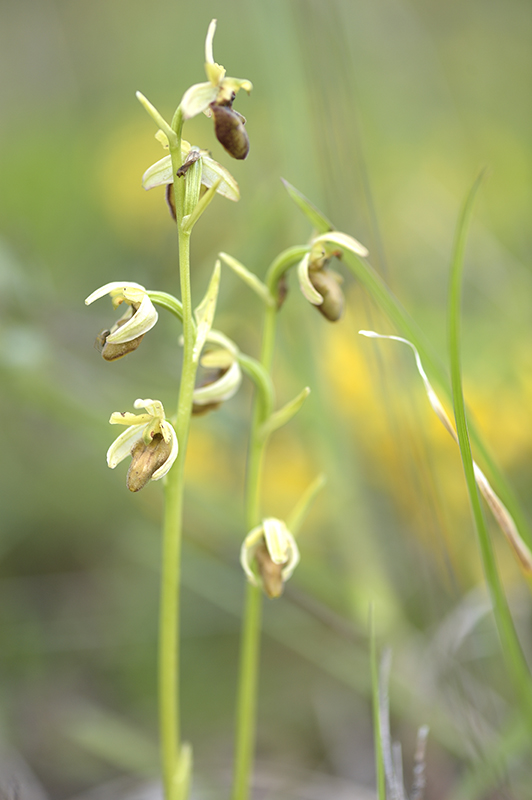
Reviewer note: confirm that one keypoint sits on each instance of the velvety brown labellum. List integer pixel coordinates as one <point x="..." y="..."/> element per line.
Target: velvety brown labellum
<point x="270" y="573"/>
<point x="145" y="460"/>
<point x="111" y="351"/>
<point x="198" y="410"/>
<point x="230" y="131"/>
<point x="212" y="376"/>
<point x="326" y="282"/>
<point x="170" y="199"/>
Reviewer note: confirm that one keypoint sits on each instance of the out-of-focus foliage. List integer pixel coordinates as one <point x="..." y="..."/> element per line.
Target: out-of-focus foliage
<point x="381" y="113"/>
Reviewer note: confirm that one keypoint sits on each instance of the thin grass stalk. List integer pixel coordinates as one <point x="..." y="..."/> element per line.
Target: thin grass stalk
<point x="375" y="695"/>
<point x="517" y="665"/>
<point x="391" y="306"/>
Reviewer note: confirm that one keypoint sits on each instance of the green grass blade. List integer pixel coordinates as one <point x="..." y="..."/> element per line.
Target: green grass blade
<point x="387" y="302"/>
<point x="510" y="644"/>
<point x="313" y="214"/>
<point x="375" y="694"/>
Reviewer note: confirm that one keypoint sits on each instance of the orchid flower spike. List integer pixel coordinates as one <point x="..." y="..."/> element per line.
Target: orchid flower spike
<point x="319" y="284"/>
<point x="221" y="382"/>
<point x="215" y="98"/>
<point x="128" y="331"/>
<point x="150" y="440"/>
<point x="276" y="555"/>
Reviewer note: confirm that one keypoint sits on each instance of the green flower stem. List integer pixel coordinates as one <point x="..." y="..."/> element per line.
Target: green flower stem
<point x="251" y="630"/>
<point x="173" y="521"/>
<point x="167" y="301"/>
<point x="247" y="693"/>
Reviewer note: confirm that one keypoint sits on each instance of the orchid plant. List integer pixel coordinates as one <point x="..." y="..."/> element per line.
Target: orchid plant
<point x="157" y="443"/>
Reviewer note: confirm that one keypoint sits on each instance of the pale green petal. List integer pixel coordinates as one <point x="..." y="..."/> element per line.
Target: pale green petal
<point x="215" y="73"/>
<point x="121" y="446"/>
<point x="247" y="553"/>
<point x="342" y="239"/>
<point x="219" y="338"/>
<point x="217" y="359"/>
<point x="153" y="407"/>
<point x="112" y="288"/>
<point x="221" y="389"/>
<point x="143" y="320"/>
<point x="235" y="84"/>
<point x="167" y="430"/>
<point x="213" y="171"/>
<point x="198" y="98"/>
<point x="309" y="292"/>
<point x="294" y="559"/>
<point x="277" y="539"/>
<point x="211" y="30"/>
<point x="127" y="418"/>
<point x="169" y="435"/>
<point x="162" y="138"/>
<point x="158" y="174"/>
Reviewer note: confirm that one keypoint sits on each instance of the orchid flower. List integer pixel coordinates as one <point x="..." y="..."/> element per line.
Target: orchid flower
<point x="274" y="549"/>
<point x="151" y="441"/>
<point x="128" y="331"/>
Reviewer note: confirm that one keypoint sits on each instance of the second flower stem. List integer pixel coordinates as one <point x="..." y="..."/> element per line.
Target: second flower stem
<point x="251" y="626"/>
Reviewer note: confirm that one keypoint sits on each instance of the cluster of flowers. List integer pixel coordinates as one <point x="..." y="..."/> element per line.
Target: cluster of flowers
<point x="150" y="438"/>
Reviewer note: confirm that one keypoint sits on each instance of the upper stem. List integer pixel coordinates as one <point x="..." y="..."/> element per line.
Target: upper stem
<point x="169" y="705"/>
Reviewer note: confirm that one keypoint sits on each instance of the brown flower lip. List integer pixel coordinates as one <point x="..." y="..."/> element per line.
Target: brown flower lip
<point x="145" y="460"/>
<point x="327" y="283"/>
<point x="113" y="351"/>
<point x="270" y="572"/>
<point x="229" y="129"/>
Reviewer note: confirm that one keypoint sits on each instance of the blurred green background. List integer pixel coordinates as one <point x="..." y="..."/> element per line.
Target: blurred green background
<point x="381" y="113"/>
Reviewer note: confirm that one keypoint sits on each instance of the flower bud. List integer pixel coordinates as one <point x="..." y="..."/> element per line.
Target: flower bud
<point x="230" y="131"/>
<point x="145" y="460"/>
<point x="273" y="550"/>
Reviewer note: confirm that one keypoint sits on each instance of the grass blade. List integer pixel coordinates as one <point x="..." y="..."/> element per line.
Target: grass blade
<point x="510" y="644"/>
<point x="376" y="702"/>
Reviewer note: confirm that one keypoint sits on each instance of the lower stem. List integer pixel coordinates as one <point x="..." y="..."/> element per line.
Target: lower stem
<point x="169" y="631"/>
<point x="251" y="624"/>
<point x="247" y="692"/>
